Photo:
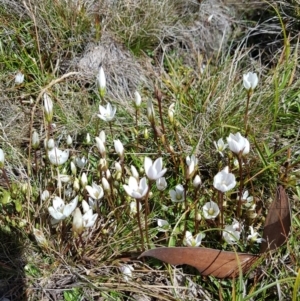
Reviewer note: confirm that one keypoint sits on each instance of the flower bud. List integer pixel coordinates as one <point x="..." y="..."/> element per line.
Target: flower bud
<point x="48" y="107"/>
<point x="45" y="195"/>
<point x="101" y="82"/>
<point x="76" y="185"/>
<point x="100" y="146"/>
<point x="73" y="169"/>
<point x="105" y="185"/>
<point x="102" y="136"/>
<point x="146" y="134"/>
<point x="84" y="180"/>
<point x="150" y="111"/>
<point x="77" y="225"/>
<point x="134" y="172"/>
<point x="119" y="148"/>
<point x="197" y="181"/>
<point x="69" y="140"/>
<point x="1" y="158"/>
<point x="35" y="140"/>
<point x="137" y="99"/>
<point x="88" y="138"/>
<point x="171" y="113"/>
<point x="50" y="144"/>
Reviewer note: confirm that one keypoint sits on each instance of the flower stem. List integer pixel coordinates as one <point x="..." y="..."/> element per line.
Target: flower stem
<point x="239" y="157"/>
<point x="158" y="96"/>
<point x="220" y="201"/>
<point x="5" y="177"/>
<point x="147" y="211"/>
<point x="246" y="112"/>
<point x="139" y="223"/>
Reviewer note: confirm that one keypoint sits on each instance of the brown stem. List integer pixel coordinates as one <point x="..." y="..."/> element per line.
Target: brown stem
<point x="5" y="177"/>
<point x="185" y="187"/>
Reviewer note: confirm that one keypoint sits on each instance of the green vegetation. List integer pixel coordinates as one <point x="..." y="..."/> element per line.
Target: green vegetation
<point x="188" y="62"/>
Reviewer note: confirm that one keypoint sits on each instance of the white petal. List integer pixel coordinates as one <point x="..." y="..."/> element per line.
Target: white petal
<point x="69" y="208"/>
<point x="55" y="214"/>
<point x="58" y="203"/>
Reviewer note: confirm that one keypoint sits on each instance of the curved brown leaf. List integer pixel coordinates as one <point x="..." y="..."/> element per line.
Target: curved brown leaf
<point x="278" y="222"/>
<point x="221" y="264"/>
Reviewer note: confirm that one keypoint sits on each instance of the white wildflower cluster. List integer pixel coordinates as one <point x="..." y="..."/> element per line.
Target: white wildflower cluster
<point x="85" y="181"/>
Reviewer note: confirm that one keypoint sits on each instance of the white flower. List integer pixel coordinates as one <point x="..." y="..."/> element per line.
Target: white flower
<point x="101" y="81"/>
<point x="57" y="156"/>
<point x="108" y="113"/>
<point x="137" y="99"/>
<point x="64" y="178"/>
<point x="126" y="270"/>
<point x="220" y="146"/>
<point x="134" y="172"/>
<point x="247" y="199"/>
<point x="80" y="162"/>
<point x="254" y="236"/>
<point x="197" y="181"/>
<point x="154" y="170"/>
<point x="162" y="225"/>
<point x="89" y="218"/>
<point x="101" y="147"/>
<point x="191" y="162"/>
<point x="190" y="241"/>
<point x="237" y="143"/>
<point x="59" y="210"/>
<point x="1" y="158"/>
<point x="224" y="180"/>
<point x="177" y="194"/>
<point x="45" y="195"/>
<point x="133" y="208"/>
<point x="35" y="140"/>
<point x="119" y="148"/>
<point x="231" y="234"/>
<point x="19" y="78"/>
<point x="161" y="183"/>
<point x="211" y="210"/>
<point x="48" y="107"/>
<point x="250" y="81"/>
<point x="136" y="190"/>
<point x="95" y="191"/>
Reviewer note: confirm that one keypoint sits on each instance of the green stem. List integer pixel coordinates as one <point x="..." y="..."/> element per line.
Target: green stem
<point x="239" y="157"/>
<point x="139" y="223"/>
<point x="247" y="111"/>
